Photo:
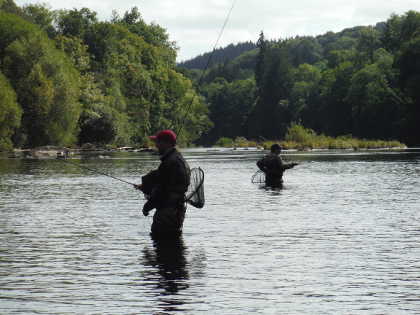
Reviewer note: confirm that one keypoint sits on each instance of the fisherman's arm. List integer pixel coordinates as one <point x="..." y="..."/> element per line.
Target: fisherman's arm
<point x="178" y="181"/>
<point x="285" y="166"/>
<point x="164" y="181"/>
<point x="149" y="181"/>
<point x="289" y="165"/>
<point x="150" y="187"/>
<point x="261" y="165"/>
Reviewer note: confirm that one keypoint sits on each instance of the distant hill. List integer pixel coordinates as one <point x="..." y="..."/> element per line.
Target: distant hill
<point x="220" y="55"/>
<point x="237" y="62"/>
<point x="359" y="81"/>
<point x="320" y="45"/>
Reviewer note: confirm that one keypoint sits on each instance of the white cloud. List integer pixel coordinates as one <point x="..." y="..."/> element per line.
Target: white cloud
<point x="195" y="24"/>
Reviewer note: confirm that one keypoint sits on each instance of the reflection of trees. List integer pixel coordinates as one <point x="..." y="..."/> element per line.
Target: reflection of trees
<point x="17" y="166"/>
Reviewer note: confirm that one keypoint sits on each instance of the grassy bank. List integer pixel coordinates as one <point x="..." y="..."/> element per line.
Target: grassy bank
<point x="300" y="138"/>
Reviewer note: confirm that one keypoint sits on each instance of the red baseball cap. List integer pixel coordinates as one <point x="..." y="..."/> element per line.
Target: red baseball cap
<point x="165" y="135"/>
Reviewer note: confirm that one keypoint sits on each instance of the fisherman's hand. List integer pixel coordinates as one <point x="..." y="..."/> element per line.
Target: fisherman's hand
<point x="148" y="206"/>
<point x="138" y="187"/>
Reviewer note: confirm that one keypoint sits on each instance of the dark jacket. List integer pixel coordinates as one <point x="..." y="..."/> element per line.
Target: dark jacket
<point x="167" y="185"/>
<point x="273" y="167"/>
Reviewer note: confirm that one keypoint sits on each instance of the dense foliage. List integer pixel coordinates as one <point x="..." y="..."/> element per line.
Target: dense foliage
<point x="219" y="55"/>
<point x="10" y="113"/>
<point x="361" y="82"/>
<point x="67" y="78"/>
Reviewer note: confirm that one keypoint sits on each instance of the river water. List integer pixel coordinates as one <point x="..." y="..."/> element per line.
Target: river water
<point x="341" y="237"/>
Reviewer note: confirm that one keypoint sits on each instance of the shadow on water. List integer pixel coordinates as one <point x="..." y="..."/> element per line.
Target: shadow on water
<point x="168" y="271"/>
<point x="272" y="190"/>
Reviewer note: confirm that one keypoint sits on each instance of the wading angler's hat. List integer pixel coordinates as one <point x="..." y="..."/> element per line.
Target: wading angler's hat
<point x="165" y="135"/>
<point x="275" y="147"/>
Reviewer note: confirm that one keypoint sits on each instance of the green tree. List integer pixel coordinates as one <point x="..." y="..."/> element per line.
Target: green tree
<point x="45" y="82"/>
<point x="408" y="63"/>
<point x="75" y="22"/>
<point x="304" y="50"/>
<point x="40" y="15"/>
<point x="99" y="122"/>
<point x="368" y="43"/>
<point x="335" y="113"/>
<point x="142" y="85"/>
<point x="9" y="6"/>
<point x="229" y="105"/>
<point x="152" y="33"/>
<point x="336" y="57"/>
<point x="271" y="114"/>
<point x="10" y="113"/>
<point x="261" y="63"/>
<point x="400" y="29"/>
<point x="303" y="95"/>
<point x="375" y="112"/>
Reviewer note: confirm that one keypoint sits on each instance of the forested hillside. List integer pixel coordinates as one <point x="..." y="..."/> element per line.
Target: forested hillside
<point x="363" y="81"/>
<point x="67" y="78"/>
<point x="219" y="55"/>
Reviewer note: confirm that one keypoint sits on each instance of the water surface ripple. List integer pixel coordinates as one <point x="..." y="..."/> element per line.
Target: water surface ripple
<point x="342" y="237"/>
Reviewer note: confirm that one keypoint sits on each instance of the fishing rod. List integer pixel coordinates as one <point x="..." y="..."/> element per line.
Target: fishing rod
<point x="195" y="195"/>
<point x="206" y="67"/>
<point x="188" y="108"/>
<point x="98" y="172"/>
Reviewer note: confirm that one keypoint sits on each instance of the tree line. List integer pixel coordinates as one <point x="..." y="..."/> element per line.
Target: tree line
<point x="67" y="78"/>
<point x="362" y="82"/>
<point x="219" y="55"/>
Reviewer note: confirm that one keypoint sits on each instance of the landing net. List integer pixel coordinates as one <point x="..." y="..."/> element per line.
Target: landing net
<point x="258" y="177"/>
<point x="195" y="193"/>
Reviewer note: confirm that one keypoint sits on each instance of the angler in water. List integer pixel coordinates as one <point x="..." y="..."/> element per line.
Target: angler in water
<point x="273" y="167"/>
<point x="165" y="188"/>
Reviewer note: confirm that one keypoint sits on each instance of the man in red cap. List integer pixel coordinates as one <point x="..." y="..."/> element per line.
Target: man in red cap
<point x="166" y="187"/>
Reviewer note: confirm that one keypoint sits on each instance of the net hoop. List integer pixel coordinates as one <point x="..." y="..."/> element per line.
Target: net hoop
<point x="258" y="177"/>
<point x="195" y="193"/>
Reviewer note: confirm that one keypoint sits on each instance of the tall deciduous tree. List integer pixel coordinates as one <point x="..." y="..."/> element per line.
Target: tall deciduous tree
<point x="42" y="16"/>
<point x="75" y="22"/>
<point x="409" y="64"/>
<point x="10" y="113"/>
<point x="375" y="113"/>
<point x="229" y="105"/>
<point x="45" y="82"/>
<point x="270" y="115"/>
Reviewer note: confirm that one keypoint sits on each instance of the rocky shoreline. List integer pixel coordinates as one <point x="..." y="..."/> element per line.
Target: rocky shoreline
<point x="49" y="152"/>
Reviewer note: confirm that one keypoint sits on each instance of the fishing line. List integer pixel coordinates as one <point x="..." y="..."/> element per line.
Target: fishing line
<point x="98" y="172"/>
<point x="206" y="67"/>
<point x="188" y="108"/>
<point x="195" y="193"/>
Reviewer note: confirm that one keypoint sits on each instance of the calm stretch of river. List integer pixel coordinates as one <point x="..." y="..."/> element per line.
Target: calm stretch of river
<point x="342" y="237"/>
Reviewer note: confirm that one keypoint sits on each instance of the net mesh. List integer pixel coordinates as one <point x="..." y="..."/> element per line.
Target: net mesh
<point x="195" y="193"/>
<point x="258" y="177"/>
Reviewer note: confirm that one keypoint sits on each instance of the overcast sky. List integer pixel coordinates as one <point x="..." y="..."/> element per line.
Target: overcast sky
<point x="195" y="24"/>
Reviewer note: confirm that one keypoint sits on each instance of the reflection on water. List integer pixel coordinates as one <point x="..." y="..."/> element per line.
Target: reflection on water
<point x="168" y="256"/>
<point x="341" y="237"/>
<point x="169" y="272"/>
